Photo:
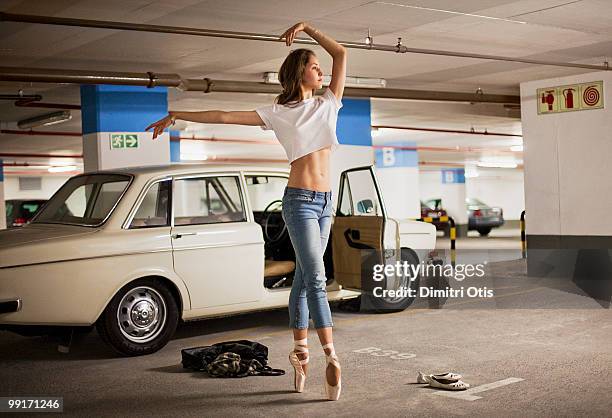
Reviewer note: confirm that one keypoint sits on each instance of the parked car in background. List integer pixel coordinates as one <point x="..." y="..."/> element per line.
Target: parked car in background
<point x="482" y="217"/>
<point x="136" y="250"/>
<point x="20" y="211"/>
<point x="433" y="209"/>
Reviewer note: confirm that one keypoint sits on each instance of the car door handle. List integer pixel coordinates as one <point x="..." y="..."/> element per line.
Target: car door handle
<point x="177" y="236"/>
<point x="350" y="235"/>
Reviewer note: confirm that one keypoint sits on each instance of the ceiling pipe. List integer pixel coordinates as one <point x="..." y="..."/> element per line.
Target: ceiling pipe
<point x="378" y="146"/>
<point x="448" y="149"/>
<point x="39" y="133"/>
<point x="240" y="160"/>
<point x="272" y="142"/>
<point x="34" y="100"/>
<point x="47" y="75"/>
<point x="460" y="165"/>
<point x="440" y="163"/>
<point x="32" y="103"/>
<point x="20" y="96"/>
<point x="230" y="140"/>
<point x="10" y="172"/>
<point x="25" y="164"/>
<point x="398" y="48"/>
<point x="450" y="131"/>
<point x="19" y="155"/>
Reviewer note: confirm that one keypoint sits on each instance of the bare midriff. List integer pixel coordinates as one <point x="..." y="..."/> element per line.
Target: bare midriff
<point x="311" y="171"/>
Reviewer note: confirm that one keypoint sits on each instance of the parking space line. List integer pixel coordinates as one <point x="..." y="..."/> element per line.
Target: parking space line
<point x="468" y="395"/>
<point x="373" y="318"/>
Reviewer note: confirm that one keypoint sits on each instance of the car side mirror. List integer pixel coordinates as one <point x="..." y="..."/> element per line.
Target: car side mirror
<point x="365" y="206"/>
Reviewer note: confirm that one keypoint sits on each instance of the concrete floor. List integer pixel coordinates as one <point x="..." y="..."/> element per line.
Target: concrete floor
<point x="556" y="344"/>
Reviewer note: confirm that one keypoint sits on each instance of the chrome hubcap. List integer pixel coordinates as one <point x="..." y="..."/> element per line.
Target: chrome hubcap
<point x="397" y="282"/>
<point x="141" y="314"/>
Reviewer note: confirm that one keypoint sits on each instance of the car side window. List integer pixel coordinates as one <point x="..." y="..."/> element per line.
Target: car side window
<point x="208" y="200"/>
<point x="359" y="195"/>
<point x="264" y="189"/>
<point x="153" y="210"/>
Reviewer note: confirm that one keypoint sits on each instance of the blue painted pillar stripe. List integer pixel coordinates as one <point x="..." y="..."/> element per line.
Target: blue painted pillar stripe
<point x="108" y="108"/>
<point x="454" y="175"/>
<point x="175" y="147"/>
<point x="1" y="173"/>
<point x="355" y="122"/>
<point x="396" y="157"/>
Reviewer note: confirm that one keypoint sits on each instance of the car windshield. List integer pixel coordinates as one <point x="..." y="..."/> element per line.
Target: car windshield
<point x="84" y="200"/>
<point x="475" y="202"/>
<point x="434" y="204"/>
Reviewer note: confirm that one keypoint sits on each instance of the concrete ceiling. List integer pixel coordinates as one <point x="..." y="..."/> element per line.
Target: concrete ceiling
<point x="563" y="30"/>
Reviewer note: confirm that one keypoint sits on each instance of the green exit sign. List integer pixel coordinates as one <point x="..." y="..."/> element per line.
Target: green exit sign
<point x="118" y="141"/>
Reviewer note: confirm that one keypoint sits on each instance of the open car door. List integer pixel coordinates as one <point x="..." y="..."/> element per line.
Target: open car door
<point x="358" y="226"/>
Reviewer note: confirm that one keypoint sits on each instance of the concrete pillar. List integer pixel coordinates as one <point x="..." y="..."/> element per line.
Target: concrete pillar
<point x="568" y="185"/>
<point x="113" y="122"/>
<point x="353" y="130"/>
<point x="2" y="204"/>
<point x="397" y="168"/>
<point x="453" y="197"/>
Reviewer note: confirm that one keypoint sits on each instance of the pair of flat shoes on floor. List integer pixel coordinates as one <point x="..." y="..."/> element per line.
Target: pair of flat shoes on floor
<point x="448" y="381"/>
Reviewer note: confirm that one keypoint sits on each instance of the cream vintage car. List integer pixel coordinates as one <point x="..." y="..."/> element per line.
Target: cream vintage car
<point x="135" y="251"/>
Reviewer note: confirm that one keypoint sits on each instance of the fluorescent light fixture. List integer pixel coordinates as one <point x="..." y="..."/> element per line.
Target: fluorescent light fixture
<point x="364" y="82"/>
<point x="497" y="164"/>
<point x="61" y="168"/>
<point x="45" y="120"/>
<point x="451" y="12"/>
<point x="516" y="148"/>
<point x="194" y="157"/>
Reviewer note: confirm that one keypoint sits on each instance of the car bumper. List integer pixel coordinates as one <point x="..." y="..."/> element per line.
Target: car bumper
<point x="474" y="223"/>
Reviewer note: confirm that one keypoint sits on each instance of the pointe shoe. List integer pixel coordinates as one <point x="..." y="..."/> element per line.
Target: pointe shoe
<point x="448" y="384"/>
<point x="332" y="392"/>
<point x="299" y="376"/>
<point x="426" y="378"/>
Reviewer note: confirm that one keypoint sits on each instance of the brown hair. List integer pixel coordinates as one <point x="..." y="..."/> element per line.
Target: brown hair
<point x="290" y="75"/>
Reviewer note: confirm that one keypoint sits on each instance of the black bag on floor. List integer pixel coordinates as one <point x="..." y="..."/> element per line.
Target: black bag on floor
<point x="230" y="359"/>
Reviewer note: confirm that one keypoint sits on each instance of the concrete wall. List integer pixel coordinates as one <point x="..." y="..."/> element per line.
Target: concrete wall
<point x="49" y="185"/>
<point x="567" y="163"/>
<point x="567" y="187"/>
<point x="502" y="187"/>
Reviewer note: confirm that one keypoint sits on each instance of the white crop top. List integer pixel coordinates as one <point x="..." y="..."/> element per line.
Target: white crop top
<point x="305" y="127"/>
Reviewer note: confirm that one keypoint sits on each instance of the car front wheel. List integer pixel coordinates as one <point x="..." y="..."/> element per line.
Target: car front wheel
<point x="397" y="303"/>
<point x="140" y="319"/>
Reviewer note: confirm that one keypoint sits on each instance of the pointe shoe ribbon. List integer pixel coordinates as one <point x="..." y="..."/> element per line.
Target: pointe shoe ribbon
<point x="299" y="377"/>
<point x="332" y="392"/>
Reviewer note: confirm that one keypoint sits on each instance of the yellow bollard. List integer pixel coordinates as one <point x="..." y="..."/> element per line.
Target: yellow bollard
<point x="523" y="236"/>
<point x="453" y="237"/>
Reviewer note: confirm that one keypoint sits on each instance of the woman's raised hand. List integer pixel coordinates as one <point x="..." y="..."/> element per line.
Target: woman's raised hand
<point x="290" y="33"/>
<point x="160" y="125"/>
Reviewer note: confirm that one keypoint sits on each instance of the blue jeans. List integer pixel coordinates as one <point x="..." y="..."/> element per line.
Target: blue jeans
<point x="308" y="215"/>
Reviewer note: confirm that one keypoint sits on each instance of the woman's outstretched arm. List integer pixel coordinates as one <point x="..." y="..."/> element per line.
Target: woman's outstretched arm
<point x="209" y="116"/>
<point x="337" y="51"/>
